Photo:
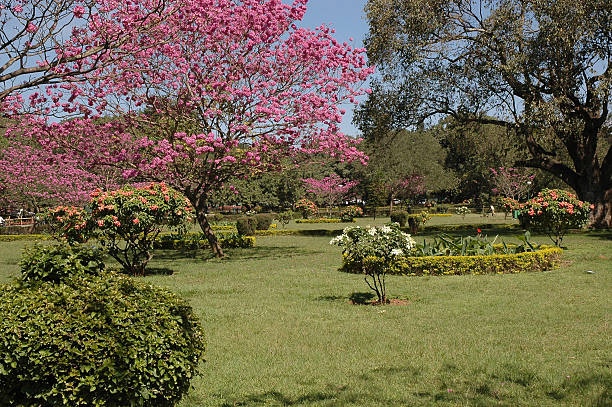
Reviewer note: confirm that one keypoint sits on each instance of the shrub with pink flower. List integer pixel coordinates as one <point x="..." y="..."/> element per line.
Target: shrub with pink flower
<point x="349" y="213"/>
<point x="125" y="221"/>
<point x="69" y="223"/>
<point x="554" y="212"/>
<point x="129" y="219"/>
<point x="306" y="207"/>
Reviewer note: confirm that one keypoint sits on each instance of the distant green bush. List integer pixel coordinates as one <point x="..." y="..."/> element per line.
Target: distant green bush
<point x="263" y="221"/>
<point x="399" y="217"/>
<point x="246" y="226"/>
<point x="96" y="340"/>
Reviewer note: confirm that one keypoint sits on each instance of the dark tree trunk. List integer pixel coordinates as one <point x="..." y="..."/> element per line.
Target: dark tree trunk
<point x="200" y="206"/>
<point x="601" y="215"/>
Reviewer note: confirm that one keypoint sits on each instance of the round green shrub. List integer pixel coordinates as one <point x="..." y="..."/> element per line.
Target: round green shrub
<point x="399" y="217"/>
<point x="104" y="340"/>
<point x="56" y="262"/>
<point x="263" y="221"/>
<point x="246" y="226"/>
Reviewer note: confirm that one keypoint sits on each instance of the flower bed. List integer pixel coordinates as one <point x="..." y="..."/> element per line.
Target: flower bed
<point x="545" y="259"/>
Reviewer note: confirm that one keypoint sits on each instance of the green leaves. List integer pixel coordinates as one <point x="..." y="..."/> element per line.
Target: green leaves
<point x="102" y="340"/>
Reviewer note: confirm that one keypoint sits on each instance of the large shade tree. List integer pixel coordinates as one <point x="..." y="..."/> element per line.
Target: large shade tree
<point x="538" y="68"/>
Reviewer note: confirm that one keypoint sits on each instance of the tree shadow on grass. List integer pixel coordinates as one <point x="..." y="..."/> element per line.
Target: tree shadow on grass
<point x="508" y="384"/>
<point x="158" y="271"/>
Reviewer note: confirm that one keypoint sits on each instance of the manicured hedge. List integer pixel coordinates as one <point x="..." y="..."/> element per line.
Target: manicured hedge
<point x="222" y="227"/>
<point x="541" y="260"/>
<point x="105" y="340"/>
<point x="193" y="241"/>
<point x="14" y="238"/>
<point x="320" y="220"/>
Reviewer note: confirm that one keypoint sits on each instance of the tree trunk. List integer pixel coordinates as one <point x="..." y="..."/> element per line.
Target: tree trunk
<point x="601" y="215"/>
<point x="201" y="208"/>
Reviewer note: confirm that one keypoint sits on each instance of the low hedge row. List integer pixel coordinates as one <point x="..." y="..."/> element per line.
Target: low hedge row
<point x="13" y="238"/>
<point x="320" y="220"/>
<point x="223" y="227"/>
<point x="541" y="260"/>
<point x="193" y="241"/>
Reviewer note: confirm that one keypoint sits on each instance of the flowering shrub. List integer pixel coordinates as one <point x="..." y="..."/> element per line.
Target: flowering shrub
<point x="349" y="213"/>
<point x="128" y="220"/>
<point x="554" y="211"/>
<point x="463" y="210"/>
<point x="68" y="223"/>
<point x="374" y="250"/>
<point x="307" y="207"/>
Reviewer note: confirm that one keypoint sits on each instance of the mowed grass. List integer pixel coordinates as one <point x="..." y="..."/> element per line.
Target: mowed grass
<point x="281" y="330"/>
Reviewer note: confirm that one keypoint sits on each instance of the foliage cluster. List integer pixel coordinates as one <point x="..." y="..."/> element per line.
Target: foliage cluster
<point x="95" y="340"/>
<point x="57" y="262"/>
<point x="349" y="213"/>
<point x="195" y="241"/>
<point x="125" y="221"/>
<point x="399" y="217"/>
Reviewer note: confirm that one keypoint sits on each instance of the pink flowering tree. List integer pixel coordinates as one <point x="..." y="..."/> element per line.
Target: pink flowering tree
<point x="511" y="183"/>
<point x="241" y="91"/>
<point x="59" y="163"/>
<point x="330" y="190"/>
<point x="48" y="42"/>
<point x="235" y="90"/>
<point x="405" y="187"/>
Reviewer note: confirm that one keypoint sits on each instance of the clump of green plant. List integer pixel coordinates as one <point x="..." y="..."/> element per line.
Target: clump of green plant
<point x="96" y="340"/>
<point x="263" y="221"/>
<point x="55" y="263"/>
<point x="479" y="245"/>
<point x="285" y="217"/>
<point x="126" y="221"/>
<point x="399" y="217"/>
<point x="374" y="250"/>
<point x="349" y="213"/>
<point x="306" y="207"/>
<point x="246" y="226"/>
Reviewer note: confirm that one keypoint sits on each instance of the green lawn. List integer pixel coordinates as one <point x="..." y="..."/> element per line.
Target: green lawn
<point x="281" y="330"/>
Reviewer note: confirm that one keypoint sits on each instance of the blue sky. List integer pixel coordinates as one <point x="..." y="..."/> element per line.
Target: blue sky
<point x="348" y="19"/>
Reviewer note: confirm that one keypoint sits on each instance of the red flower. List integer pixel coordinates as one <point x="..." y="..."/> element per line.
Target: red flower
<point x="478" y="230"/>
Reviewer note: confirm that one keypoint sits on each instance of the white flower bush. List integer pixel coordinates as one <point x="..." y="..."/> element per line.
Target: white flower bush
<point x="375" y="249"/>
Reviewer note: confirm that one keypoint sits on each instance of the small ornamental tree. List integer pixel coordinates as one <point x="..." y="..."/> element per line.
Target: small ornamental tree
<point x="511" y="183"/>
<point x="128" y="220"/>
<point x="330" y="190"/>
<point x="374" y="250"/>
<point x="125" y="221"/>
<point x="554" y="212"/>
<point x="306" y="207"/>
<point x="405" y="188"/>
